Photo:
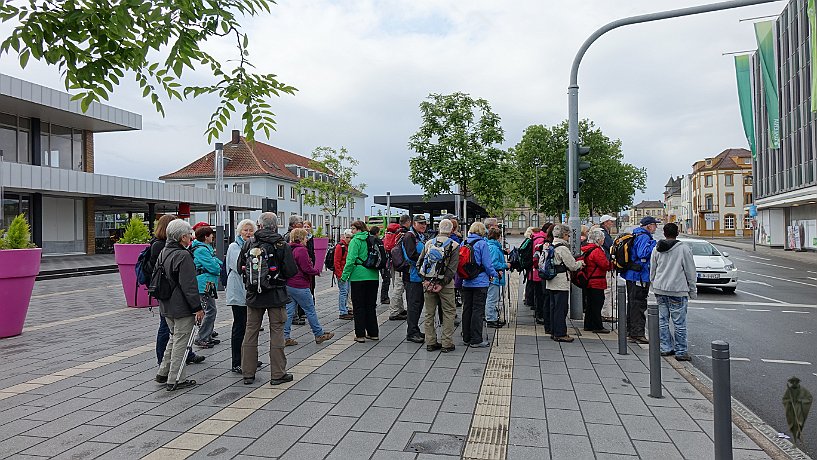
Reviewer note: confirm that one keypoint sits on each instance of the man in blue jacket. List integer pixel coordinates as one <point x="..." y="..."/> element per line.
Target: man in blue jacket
<point x="638" y="279"/>
<point x="475" y="290"/>
<point x="413" y="242"/>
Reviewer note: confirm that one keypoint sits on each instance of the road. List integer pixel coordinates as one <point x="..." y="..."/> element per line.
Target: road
<point x="771" y="326"/>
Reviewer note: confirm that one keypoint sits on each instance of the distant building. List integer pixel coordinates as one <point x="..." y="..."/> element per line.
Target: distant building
<point x="686" y="203"/>
<point x="721" y="188"/>
<point x="653" y="208"/>
<point x="675" y="209"/>
<point x="271" y="172"/>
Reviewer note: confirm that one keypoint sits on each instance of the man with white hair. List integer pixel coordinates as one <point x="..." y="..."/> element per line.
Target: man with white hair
<point x="438" y="264"/>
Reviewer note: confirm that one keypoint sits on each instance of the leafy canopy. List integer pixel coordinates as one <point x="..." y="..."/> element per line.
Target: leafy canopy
<point x="18" y="235"/>
<point x="95" y="43"/>
<point x="136" y="232"/>
<point x="610" y="183"/>
<point x="333" y="183"/>
<point x="455" y="146"/>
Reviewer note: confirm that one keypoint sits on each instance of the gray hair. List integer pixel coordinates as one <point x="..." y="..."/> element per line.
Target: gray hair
<point x="268" y="220"/>
<point x="560" y="231"/>
<point x="528" y="232"/>
<point x="596" y="235"/>
<point x="348" y="233"/>
<point x="405" y="219"/>
<point x="490" y="221"/>
<point x="243" y="224"/>
<point x="176" y="229"/>
<point x="295" y="220"/>
<point x="445" y="227"/>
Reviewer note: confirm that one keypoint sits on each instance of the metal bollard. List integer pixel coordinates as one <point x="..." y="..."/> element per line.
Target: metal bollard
<point x="655" y="352"/>
<point x="621" y="303"/>
<point x="722" y="399"/>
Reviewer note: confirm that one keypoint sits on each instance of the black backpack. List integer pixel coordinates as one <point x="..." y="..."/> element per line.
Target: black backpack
<point x="144" y="268"/>
<point x="266" y="266"/>
<point x="376" y="258"/>
<point x="161" y="286"/>
<point x="329" y="260"/>
<point x="526" y="254"/>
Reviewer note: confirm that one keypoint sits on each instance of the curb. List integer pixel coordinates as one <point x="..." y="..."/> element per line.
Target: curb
<point x="753" y="426"/>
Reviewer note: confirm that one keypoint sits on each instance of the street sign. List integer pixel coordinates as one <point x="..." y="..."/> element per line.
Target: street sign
<point x="752" y="210"/>
<point x="711" y="217"/>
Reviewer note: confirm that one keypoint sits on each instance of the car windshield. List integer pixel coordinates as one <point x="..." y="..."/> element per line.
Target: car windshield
<point x="702" y="248"/>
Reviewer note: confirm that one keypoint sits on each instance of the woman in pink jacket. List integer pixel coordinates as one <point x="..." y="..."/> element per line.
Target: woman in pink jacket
<point x="298" y="289"/>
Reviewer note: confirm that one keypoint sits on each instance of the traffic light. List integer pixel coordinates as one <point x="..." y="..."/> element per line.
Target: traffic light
<point x="581" y="165"/>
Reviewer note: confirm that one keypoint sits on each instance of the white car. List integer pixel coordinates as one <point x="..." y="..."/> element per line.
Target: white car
<point x="713" y="266"/>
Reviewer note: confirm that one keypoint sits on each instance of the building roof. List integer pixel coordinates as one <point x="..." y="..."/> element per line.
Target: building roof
<point x="649" y="204"/>
<point x="723" y="160"/>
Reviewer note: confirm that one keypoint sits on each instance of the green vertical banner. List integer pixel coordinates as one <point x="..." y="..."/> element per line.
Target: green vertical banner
<point x="764" y="31"/>
<point x="744" y="76"/>
<point x="812" y="44"/>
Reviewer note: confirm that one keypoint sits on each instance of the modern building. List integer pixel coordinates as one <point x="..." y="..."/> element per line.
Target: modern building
<point x="268" y="171"/>
<point x="653" y="208"/>
<point x="47" y="172"/>
<point x="721" y="190"/>
<point x="785" y="185"/>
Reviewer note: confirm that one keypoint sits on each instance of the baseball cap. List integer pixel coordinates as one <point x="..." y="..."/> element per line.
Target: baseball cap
<point x="420" y="219"/>
<point x="606" y="217"/>
<point x="649" y="220"/>
<point x="200" y="225"/>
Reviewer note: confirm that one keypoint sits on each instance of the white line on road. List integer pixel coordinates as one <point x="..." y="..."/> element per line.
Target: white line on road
<point x="761" y="296"/>
<point x="726" y="309"/>
<point x="696" y="308"/>
<point x="754" y="309"/>
<point x="763" y="263"/>
<point x="811" y="278"/>
<point x="781" y="279"/>
<point x="793" y="311"/>
<point x="783" y="361"/>
<point x="739" y="359"/>
<point x="740" y="303"/>
<point x="762" y="283"/>
<point x="757" y="257"/>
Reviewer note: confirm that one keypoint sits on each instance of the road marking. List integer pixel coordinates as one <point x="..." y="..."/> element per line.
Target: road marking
<point x="753" y="309"/>
<point x="783" y="361"/>
<point x="739" y="359"/>
<point x="750" y="304"/>
<point x="725" y="309"/>
<point x="756" y="282"/>
<point x="76" y="320"/>
<point x="696" y="308"/>
<point x="757" y="257"/>
<point x="793" y="311"/>
<point x="811" y="278"/>
<point x="107" y="286"/>
<point x="761" y="296"/>
<point x="781" y="279"/>
<point x="763" y="263"/>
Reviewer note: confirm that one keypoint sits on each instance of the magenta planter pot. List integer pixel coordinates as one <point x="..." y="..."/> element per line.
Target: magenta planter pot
<point x="320" y="251"/>
<point x="126" y="256"/>
<point x="18" y="268"/>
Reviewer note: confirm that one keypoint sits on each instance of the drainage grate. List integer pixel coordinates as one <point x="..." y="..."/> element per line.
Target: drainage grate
<point x="433" y="443"/>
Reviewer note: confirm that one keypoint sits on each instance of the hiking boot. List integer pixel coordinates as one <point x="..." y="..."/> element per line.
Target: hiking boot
<point x="214" y="334"/>
<point x="447" y="349"/>
<point x="286" y="378"/>
<point x="398" y="317"/>
<point x="161" y="379"/>
<point x="416" y="339"/>
<point x="494" y="324"/>
<point x="249" y="380"/>
<point x="346" y="317"/>
<point x="203" y="344"/>
<point x="434" y="347"/>
<point x="298" y="321"/>
<point x="668" y="353"/>
<point x="194" y="359"/>
<point x="290" y="342"/>
<point x="639" y="339"/>
<point x="683" y="358"/>
<point x="323" y="338"/>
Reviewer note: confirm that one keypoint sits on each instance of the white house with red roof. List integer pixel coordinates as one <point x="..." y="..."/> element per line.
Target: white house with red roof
<point x="260" y="169"/>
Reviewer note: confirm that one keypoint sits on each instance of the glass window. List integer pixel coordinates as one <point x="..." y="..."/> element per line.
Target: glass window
<point x="729" y="222"/>
<point x="8" y="143"/>
<point x="281" y="192"/>
<point x="730" y="180"/>
<point x="211" y="186"/>
<point x="23" y="146"/>
<point x="747" y="222"/>
<point x="61" y="145"/>
<point x="730" y="199"/>
<point x="747" y="198"/>
<point x="242" y="187"/>
<point x="708" y="180"/>
<point x="709" y="203"/>
<point x="77" y="151"/>
<point x="702" y="248"/>
<point x="293" y="193"/>
<point x="523" y="221"/>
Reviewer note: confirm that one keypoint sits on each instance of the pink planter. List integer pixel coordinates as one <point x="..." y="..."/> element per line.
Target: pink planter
<point x="126" y="256"/>
<point x="320" y="251"/>
<point x="18" y="268"/>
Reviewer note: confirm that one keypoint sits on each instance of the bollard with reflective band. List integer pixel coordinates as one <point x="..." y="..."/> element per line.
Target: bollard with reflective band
<point x="621" y="305"/>
<point x="722" y="399"/>
<point x="655" y="352"/>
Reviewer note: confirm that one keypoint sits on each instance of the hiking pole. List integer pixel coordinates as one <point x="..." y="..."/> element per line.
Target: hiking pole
<point x="193" y="333"/>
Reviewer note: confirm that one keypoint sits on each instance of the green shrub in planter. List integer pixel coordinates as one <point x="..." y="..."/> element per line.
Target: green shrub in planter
<point x="18" y="235"/>
<point x="318" y="232"/>
<point x="136" y="232"/>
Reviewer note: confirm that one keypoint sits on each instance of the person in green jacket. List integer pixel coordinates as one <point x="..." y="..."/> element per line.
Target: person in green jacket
<point x="364" y="284"/>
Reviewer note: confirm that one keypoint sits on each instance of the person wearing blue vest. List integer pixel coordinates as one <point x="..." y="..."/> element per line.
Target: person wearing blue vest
<point x="413" y="242"/>
<point x="638" y="280"/>
<point x="475" y="290"/>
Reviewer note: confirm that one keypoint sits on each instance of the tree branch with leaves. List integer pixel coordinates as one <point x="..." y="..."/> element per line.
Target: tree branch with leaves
<point x="95" y="44"/>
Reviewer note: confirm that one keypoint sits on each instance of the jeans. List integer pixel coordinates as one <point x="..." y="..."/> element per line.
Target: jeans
<point x="364" y="294"/>
<point x="558" y="312"/>
<point x="636" y="307"/>
<point x="343" y="297"/>
<point x="492" y="302"/>
<point x="473" y="313"/>
<point x="208" y="304"/>
<point x="237" y="336"/>
<point x="302" y="297"/>
<point x="414" y="307"/>
<point x="162" y="337"/>
<point x="675" y="308"/>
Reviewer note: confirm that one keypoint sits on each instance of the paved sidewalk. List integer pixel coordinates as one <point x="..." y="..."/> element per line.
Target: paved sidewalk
<point x="84" y="389"/>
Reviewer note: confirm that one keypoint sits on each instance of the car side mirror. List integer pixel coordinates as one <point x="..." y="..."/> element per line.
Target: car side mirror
<point x="725" y="254"/>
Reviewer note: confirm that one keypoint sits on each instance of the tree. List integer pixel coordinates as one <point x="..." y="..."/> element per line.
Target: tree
<point x="94" y="44"/>
<point x="610" y="183"/>
<point x="334" y="190"/>
<point x="455" y="146"/>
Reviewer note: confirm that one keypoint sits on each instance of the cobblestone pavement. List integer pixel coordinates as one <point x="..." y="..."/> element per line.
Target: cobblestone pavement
<point x="78" y="383"/>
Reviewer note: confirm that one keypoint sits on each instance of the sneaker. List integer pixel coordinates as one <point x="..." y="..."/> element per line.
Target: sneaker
<point x="214" y="334"/>
<point x="249" y="380"/>
<point x="494" y="324"/>
<point x="434" y="347"/>
<point x="483" y="344"/>
<point x="639" y="339"/>
<point x="161" y="379"/>
<point x="290" y="342"/>
<point x="203" y="344"/>
<point x="416" y="339"/>
<point x="286" y="378"/>
<point x="398" y="317"/>
<point x="181" y="385"/>
<point x="236" y="370"/>
<point x="360" y="339"/>
<point x="683" y="358"/>
<point x="346" y="317"/>
<point x="323" y="338"/>
<point x="298" y="321"/>
<point x="385" y="301"/>
<point x="447" y="349"/>
<point x="195" y="359"/>
<point x="373" y="337"/>
<point x="214" y="341"/>
<point x="668" y="353"/>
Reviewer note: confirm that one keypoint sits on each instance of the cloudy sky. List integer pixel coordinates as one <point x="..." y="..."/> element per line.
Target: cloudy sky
<point x="362" y="68"/>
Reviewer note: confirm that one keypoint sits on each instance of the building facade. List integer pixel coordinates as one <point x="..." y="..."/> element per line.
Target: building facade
<point x="686" y="203"/>
<point x="268" y="171"/>
<point x="785" y="185"/>
<point x="646" y="208"/>
<point x="721" y="192"/>
<point x="676" y="210"/>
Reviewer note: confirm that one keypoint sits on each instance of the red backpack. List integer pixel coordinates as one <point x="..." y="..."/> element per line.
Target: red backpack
<point x="582" y="277"/>
<point x="391" y="239"/>
<point x="467" y="267"/>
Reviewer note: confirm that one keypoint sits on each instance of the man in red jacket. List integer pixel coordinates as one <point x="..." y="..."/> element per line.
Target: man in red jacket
<point x="596" y="267"/>
<point x="341" y="250"/>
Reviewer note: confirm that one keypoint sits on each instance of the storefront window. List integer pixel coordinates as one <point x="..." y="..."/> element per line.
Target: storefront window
<point x="13" y="205"/>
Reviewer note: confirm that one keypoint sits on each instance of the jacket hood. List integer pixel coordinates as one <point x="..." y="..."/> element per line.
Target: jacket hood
<point x="473" y="237"/>
<point x="666" y="245"/>
<point x="393" y="227"/>
<point x="361" y="235"/>
<point x="296" y="245"/>
<point x="268" y="236"/>
<point x="197" y="243"/>
<point x="539" y="234"/>
<point x="642" y="230"/>
<point x="494" y="243"/>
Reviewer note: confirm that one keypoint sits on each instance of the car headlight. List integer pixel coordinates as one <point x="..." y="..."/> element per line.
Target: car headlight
<point x="730" y="267"/>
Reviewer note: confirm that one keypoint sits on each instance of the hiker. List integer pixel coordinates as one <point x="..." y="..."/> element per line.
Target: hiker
<point x="673" y="277"/>
<point x="438" y="264"/>
<point x="528" y="299"/>
<point x="364" y="283"/>
<point x="413" y="243"/>
<point x="541" y="312"/>
<point x="496" y="285"/>
<point x="236" y="292"/>
<point x="298" y="290"/>
<point x="597" y="265"/>
<point x="397" y="311"/>
<point x="559" y="286"/>
<point x="385" y="276"/>
<point x="638" y="279"/>
<point x="183" y="309"/>
<point x="341" y="250"/>
<point x="297" y="221"/>
<point x="606" y="223"/>
<point x="475" y="290"/>
<point x="208" y="267"/>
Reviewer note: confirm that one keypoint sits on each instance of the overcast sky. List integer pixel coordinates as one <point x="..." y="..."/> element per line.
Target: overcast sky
<point x="363" y="67"/>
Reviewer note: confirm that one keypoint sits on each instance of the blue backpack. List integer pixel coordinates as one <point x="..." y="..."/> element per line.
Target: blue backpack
<point x="144" y="268"/>
<point x="547" y="267"/>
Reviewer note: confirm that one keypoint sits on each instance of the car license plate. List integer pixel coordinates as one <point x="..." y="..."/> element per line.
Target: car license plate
<point x="709" y="276"/>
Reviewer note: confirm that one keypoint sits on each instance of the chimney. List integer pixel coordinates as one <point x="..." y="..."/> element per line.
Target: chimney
<point x="236" y="136"/>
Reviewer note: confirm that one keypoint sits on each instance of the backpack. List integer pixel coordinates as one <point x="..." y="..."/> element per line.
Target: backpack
<point x="526" y="254"/>
<point x="547" y="267"/>
<point x="266" y="267"/>
<point x="467" y="267"/>
<point x="582" y="277"/>
<point x="399" y="261"/>
<point x="161" y="286"/>
<point x="621" y="252"/>
<point x="514" y="260"/>
<point x="376" y="258"/>
<point x="392" y="239"/>
<point x="144" y="268"/>
<point x="436" y="259"/>
<point x="329" y="260"/>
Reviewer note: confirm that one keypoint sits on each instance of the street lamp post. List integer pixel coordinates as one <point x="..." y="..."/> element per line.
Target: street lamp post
<point x="573" y="112"/>
<point x="220" y="197"/>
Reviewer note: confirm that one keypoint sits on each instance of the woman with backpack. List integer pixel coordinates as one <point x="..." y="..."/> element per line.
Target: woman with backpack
<point x="475" y="289"/>
<point x="299" y="289"/>
<point x="341" y="250"/>
<point x="527" y="247"/>
<point x="495" y="288"/>
<point x="595" y="272"/>
<point x="559" y="286"/>
<point x="437" y="265"/>
<point x="236" y="292"/>
<point x="364" y="283"/>
<point x="208" y="269"/>
<point x="541" y="309"/>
